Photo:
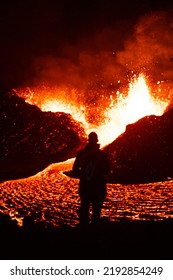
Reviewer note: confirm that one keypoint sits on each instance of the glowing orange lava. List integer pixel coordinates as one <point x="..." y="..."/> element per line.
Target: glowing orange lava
<point x="125" y="110"/>
<point x="137" y="104"/>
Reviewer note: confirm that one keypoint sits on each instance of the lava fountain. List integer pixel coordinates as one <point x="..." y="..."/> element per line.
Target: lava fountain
<point x="126" y="109"/>
<point x="137" y="104"/>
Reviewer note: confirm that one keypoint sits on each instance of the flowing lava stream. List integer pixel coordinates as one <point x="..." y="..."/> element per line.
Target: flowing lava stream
<point x="137" y="103"/>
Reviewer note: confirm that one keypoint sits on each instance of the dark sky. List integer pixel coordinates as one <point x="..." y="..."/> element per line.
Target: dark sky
<point x="35" y="32"/>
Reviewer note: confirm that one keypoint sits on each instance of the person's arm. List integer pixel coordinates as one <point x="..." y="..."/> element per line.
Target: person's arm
<point x="77" y="165"/>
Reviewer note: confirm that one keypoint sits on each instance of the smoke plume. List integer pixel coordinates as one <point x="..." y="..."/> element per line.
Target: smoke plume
<point x="150" y="48"/>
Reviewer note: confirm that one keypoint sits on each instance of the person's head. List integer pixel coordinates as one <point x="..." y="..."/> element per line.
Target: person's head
<point x="92" y="138"/>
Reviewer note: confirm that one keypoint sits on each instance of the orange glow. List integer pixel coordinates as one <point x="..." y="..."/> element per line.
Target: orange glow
<point x="137" y="104"/>
<point x="129" y="108"/>
<point x="61" y="106"/>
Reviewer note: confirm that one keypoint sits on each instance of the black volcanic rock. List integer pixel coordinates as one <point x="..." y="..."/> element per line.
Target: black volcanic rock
<point x="144" y="152"/>
<point x="31" y="139"/>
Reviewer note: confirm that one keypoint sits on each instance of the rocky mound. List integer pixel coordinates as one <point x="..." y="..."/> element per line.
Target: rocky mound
<point x="144" y="152"/>
<point x="30" y="139"/>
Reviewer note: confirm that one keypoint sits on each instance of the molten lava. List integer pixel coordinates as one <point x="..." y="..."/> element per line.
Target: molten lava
<point x="126" y="109"/>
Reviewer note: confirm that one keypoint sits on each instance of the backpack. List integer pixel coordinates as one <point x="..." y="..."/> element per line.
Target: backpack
<point x="90" y="170"/>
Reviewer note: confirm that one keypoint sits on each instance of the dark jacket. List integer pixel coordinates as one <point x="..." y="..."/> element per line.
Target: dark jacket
<point x="92" y="166"/>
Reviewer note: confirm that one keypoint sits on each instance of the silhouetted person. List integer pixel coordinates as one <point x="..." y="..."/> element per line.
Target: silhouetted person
<point x="93" y="167"/>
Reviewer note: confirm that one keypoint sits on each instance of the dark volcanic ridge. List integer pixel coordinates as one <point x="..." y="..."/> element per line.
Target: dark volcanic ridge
<point x="31" y="139"/>
<point x="144" y="152"/>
